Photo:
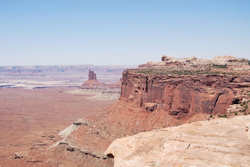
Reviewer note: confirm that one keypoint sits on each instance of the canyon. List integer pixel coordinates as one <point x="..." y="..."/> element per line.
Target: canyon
<point x="177" y="101"/>
<point x="156" y="96"/>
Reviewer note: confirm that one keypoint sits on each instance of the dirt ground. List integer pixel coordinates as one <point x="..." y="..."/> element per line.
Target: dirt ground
<point x="31" y="119"/>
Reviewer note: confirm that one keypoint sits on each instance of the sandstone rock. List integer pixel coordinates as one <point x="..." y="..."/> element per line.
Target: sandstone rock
<point x="81" y="122"/>
<point x="185" y="90"/>
<point x="164" y="58"/>
<point x="193" y="63"/>
<point x="216" y="143"/>
<point x="18" y="155"/>
<point x="92" y="75"/>
<point x="92" y="82"/>
<point x="235" y="109"/>
<point x="150" y="106"/>
<point x="178" y="93"/>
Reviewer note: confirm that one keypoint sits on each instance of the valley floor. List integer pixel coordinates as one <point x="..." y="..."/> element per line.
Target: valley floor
<point x="30" y="121"/>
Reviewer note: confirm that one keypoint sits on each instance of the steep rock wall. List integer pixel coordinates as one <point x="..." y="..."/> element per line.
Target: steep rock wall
<point x="180" y="95"/>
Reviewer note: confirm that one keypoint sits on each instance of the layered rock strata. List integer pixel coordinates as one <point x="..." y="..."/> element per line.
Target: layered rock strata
<point x="181" y="95"/>
<point x="185" y="86"/>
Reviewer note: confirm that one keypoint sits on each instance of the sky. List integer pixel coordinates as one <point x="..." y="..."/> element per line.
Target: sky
<point x="121" y="32"/>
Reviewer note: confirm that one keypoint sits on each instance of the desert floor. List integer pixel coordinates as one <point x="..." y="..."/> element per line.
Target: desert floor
<point x="31" y="119"/>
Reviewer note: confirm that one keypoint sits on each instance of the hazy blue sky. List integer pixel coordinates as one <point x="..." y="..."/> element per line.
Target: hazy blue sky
<point x="121" y="31"/>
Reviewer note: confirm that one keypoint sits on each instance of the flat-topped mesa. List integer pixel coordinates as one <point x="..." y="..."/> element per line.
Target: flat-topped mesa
<point x="187" y="86"/>
<point x="92" y="75"/>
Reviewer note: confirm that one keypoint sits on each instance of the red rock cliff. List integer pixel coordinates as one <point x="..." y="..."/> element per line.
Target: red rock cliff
<point x="158" y="95"/>
<point x="184" y="92"/>
<point x="92" y="75"/>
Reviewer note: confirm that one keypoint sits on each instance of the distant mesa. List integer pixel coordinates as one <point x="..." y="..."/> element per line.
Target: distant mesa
<point x="92" y="81"/>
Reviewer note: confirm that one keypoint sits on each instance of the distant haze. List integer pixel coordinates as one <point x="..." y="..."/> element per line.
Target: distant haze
<point x="68" y="32"/>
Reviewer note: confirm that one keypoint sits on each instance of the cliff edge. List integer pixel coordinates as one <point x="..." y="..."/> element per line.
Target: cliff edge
<point x="174" y="91"/>
<point x="215" y="143"/>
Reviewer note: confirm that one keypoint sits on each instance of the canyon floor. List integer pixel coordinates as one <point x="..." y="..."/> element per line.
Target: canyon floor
<point x="31" y="120"/>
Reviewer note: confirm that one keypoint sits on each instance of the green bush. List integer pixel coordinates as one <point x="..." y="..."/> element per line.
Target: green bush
<point x="220" y="65"/>
<point x="222" y="115"/>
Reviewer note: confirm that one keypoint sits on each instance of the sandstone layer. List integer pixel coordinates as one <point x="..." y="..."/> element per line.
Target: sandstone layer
<point x="184" y="87"/>
<point x="215" y="143"/>
<point x="183" y="94"/>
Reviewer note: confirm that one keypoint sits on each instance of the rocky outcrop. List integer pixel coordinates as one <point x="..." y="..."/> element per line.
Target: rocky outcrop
<point x="75" y="147"/>
<point x="214" y="143"/>
<point x="192" y="88"/>
<point x="181" y="95"/>
<point x="69" y="155"/>
<point x="162" y="96"/>
<point x="194" y="63"/>
<point x="92" y="75"/>
<point x="92" y="82"/>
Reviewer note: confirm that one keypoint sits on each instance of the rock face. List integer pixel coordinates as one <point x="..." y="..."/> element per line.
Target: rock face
<point x="182" y="94"/>
<point x="92" y="81"/>
<point x="214" y="143"/>
<point x="92" y="75"/>
<point x="186" y="91"/>
<point x="179" y="92"/>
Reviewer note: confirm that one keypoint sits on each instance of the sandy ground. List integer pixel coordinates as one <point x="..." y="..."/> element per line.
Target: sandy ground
<point x="97" y="94"/>
<point x="30" y="121"/>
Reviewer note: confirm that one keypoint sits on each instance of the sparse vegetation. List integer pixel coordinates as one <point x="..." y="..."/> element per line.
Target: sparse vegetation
<point x="220" y="65"/>
<point x="151" y="71"/>
<point x="222" y="115"/>
<point x="245" y="106"/>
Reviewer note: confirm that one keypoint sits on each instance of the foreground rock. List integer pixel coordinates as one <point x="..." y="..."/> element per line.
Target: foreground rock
<point x="216" y="143"/>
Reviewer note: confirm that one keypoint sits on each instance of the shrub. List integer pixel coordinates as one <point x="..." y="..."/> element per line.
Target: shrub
<point x="220" y="65"/>
<point x="222" y="115"/>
